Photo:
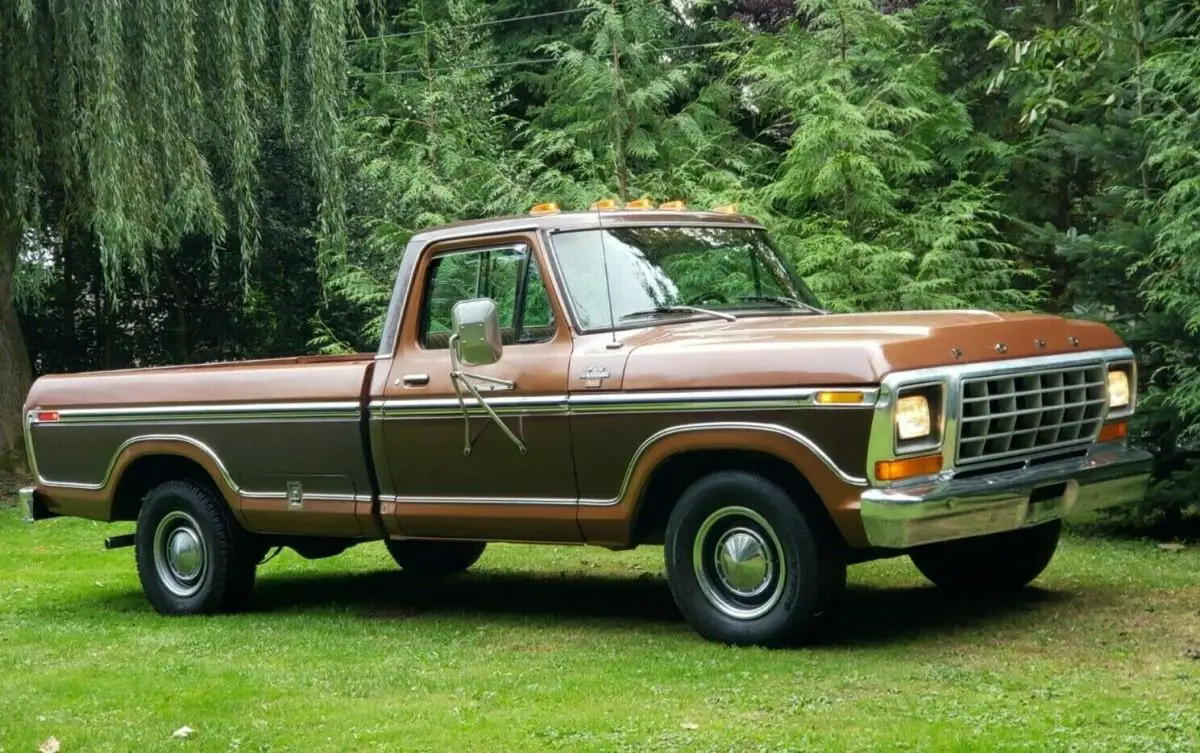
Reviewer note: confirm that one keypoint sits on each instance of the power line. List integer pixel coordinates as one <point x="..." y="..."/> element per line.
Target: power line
<point x="527" y="61"/>
<point x="493" y="22"/>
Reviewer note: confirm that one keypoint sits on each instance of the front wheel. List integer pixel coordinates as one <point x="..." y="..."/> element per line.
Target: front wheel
<point x="748" y="565"/>
<point x="434" y="559"/>
<point x="996" y="563"/>
<point x="192" y="556"/>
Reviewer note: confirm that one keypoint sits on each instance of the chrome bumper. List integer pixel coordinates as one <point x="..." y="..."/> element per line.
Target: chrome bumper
<point x="33" y="508"/>
<point x="924" y="512"/>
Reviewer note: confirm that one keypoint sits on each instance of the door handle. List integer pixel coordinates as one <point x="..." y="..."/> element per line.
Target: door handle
<point x="414" y="380"/>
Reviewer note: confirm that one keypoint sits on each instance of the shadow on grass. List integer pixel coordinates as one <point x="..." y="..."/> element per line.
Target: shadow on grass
<point x="866" y="616"/>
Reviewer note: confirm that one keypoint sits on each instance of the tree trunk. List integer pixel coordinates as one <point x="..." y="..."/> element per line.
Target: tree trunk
<point x="15" y="374"/>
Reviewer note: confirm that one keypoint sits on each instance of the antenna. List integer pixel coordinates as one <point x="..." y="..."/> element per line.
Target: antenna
<point x="612" y="320"/>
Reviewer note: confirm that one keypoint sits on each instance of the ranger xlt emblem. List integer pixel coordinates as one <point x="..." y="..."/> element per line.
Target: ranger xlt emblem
<point x="594" y="376"/>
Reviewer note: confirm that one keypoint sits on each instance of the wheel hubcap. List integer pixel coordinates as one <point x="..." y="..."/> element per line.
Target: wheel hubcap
<point x="738" y="562"/>
<point x="743" y="563"/>
<point x="180" y="556"/>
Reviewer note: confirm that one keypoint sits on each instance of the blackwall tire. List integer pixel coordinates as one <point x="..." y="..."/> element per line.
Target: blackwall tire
<point x="192" y="555"/>
<point x="434" y="559"/>
<point x="747" y="564"/>
<point x="997" y="563"/>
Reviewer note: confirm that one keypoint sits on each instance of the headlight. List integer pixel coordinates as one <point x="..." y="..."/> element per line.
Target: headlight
<point x="913" y="419"/>
<point x="1118" y="388"/>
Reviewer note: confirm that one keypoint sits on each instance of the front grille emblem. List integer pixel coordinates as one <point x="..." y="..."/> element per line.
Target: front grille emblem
<point x="1001" y="348"/>
<point x="1040" y="343"/>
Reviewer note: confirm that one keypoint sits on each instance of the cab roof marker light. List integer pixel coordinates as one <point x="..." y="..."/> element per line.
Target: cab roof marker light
<point x="726" y="209"/>
<point x="639" y="204"/>
<point x="604" y="205"/>
<point x="673" y="206"/>
<point x="548" y="207"/>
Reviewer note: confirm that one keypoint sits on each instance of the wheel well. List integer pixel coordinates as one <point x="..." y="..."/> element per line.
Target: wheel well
<point x="674" y="475"/>
<point x="147" y="472"/>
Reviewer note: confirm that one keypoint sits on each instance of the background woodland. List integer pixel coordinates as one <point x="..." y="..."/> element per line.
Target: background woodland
<point x="198" y="180"/>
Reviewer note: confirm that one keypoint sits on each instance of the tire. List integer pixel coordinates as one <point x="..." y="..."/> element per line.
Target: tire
<point x="996" y="563"/>
<point x="434" y="559"/>
<point x="192" y="555"/>
<point x="792" y="569"/>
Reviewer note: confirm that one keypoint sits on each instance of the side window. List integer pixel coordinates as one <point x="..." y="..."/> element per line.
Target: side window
<point x="502" y="274"/>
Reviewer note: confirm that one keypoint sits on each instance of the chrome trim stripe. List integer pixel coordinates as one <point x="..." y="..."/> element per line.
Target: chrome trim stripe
<point x="307" y="496"/>
<point x="138" y="440"/>
<point x="419" y="500"/>
<point x="215" y="412"/>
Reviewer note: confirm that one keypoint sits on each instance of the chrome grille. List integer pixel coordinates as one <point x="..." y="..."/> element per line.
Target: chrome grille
<point x="1016" y="414"/>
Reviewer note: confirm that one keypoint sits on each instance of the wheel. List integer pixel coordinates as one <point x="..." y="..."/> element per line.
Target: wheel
<point x="748" y="565"/>
<point x="435" y="559"/>
<point x="999" y="562"/>
<point x="192" y="555"/>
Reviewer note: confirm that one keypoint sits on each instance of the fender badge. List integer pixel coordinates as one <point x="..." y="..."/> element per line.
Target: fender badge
<point x="1040" y="343"/>
<point x="1001" y="348"/>
<point x="594" y="376"/>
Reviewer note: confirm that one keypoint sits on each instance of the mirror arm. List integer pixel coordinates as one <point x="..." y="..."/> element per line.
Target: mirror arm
<point x="459" y="378"/>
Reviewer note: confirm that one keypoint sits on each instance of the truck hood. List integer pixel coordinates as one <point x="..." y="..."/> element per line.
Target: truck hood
<point x="859" y="349"/>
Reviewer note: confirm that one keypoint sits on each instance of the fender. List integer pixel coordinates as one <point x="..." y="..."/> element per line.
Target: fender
<point x="95" y="501"/>
<point x="609" y="522"/>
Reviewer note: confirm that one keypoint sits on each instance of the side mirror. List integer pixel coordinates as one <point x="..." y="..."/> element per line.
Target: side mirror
<point x="476" y="327"/>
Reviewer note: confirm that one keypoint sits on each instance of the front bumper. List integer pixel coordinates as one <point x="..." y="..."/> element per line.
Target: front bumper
<point x="33" y="507"/>
<point x="928" y="511"/>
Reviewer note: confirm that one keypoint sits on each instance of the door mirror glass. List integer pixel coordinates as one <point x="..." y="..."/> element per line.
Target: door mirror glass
<point x="476" y="327"/>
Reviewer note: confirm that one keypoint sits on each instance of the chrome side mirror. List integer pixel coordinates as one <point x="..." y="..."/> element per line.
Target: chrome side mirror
<point x="476" y="327"/>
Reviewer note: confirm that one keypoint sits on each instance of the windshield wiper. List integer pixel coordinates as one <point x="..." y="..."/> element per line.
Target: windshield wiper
<point x="680" y="310"/>
<point x="782" y="300"/>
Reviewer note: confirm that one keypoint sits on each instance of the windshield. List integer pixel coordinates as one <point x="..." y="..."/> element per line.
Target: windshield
<point x="660" y="271"/>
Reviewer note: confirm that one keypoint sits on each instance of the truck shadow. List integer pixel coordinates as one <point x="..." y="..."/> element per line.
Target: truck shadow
<point x="866" y="616"/>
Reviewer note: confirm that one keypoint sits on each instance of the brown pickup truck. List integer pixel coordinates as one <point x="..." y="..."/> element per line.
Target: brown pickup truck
<point x="615" y="377"/>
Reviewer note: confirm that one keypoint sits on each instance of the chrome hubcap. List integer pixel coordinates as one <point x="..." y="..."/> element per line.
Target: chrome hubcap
<point x="743" y="563"/>
<point x="738" y="562"/>
<point x="180" y="556"/>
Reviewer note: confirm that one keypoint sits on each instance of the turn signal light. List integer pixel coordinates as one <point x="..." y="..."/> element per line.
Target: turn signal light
<point x="726" y="209"/>
<point x="47" y="416"/>
<point x="549" y="207"/>
<point x="673" y="206"/>
<point x="639" y="204"/>
<point x="894" y="470"/>
<point x="1113" y="431"/>
<point x="836" y="398"/>
<point x="604" y="205"/>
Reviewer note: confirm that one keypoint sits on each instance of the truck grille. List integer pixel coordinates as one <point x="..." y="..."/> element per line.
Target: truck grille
<point x="1017" y="414"/>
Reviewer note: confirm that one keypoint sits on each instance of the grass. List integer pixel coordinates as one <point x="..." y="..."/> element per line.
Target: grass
<point x="567" y="648"/>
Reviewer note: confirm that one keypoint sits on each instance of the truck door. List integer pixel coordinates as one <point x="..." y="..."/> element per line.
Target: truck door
<point x="493" y="491"/>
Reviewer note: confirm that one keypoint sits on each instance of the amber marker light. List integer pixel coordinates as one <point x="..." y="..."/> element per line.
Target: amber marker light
<point x="604" y="205"/>
<point x="726" y="209"/>
<point x="47" y="416"/>
<point x="901" y="468"/>
<point x="839" y="398"/>
<point x="549" y="207"/>
<point x="1113" y="431"/>
<point x="673" y="206"/>
<point x="639" y="204"/>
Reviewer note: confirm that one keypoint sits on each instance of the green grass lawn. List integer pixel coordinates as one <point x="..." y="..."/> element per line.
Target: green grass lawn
<point x="582" y="649"/>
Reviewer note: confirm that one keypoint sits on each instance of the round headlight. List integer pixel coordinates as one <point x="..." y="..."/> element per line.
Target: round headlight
<point x="912" y="417"/>
<point x="1118" y="388"/>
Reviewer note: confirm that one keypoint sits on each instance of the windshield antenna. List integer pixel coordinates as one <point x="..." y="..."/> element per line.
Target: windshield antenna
<point x="612" y="319"/>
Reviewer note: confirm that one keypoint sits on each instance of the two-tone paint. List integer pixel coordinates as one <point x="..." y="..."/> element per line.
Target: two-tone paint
<point x="370" y="445"/>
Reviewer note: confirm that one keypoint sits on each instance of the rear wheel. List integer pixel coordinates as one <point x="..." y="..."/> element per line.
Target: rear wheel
<point x="747" y="565"/>
<point x="1000" y="562"/>
<point x="192" y="555"/>
<point x="434" y="559"/>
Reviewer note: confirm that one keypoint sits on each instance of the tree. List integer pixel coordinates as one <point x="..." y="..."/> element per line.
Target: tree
<point x="140" y="124"/>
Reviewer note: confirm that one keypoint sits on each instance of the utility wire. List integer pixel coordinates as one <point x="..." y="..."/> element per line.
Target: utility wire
<point x="527" y="61"/>
<point x="493" y="22"/>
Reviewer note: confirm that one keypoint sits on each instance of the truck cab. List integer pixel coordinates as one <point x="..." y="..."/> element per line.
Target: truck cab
<point x="617" y="377"/>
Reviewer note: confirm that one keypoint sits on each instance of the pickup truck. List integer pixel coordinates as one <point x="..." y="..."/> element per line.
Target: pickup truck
<point x="630" y="375"/>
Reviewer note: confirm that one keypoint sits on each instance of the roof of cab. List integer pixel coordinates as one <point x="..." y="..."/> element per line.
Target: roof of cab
<point x="560" y="221"/>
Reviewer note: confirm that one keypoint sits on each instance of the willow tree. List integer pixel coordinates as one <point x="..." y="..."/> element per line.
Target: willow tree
<point x="139" y="123"/>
